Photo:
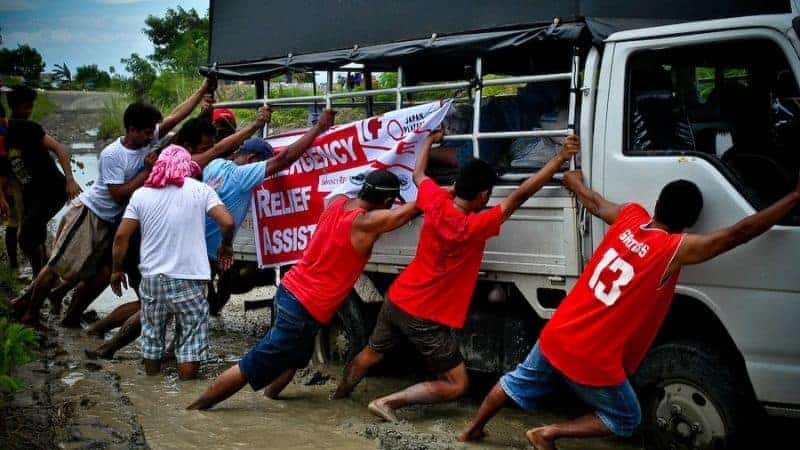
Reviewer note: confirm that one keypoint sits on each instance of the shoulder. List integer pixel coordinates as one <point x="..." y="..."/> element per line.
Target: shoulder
<point x="633" y="211"/>
<point x="112" y="150"/>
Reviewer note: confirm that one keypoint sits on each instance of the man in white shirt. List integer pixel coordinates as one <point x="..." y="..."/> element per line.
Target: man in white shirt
<point x="87" y="229"/>
<point x="171" y="211"/>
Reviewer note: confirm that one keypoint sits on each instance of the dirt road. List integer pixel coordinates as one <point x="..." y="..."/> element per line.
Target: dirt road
<point x="75" y="402"/>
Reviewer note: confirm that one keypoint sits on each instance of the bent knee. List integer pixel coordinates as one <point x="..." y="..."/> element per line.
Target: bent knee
<point x="623" y="423"/>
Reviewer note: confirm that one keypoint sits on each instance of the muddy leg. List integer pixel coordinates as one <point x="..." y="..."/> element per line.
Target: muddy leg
<point x="543" y="438"/>
<point x="188" y="370"/>
<point x="492" y="404"/>
<point x="86" y="292"/>
<point x="39" y="290"/>
<point x="450" y="386"/>
<point x="57" y="295"/>
<point x="11" y="248"/>
<point x="114" y="319"/>
<point x="355" y="371"/>
<point x="274" y="389"/>
<point x="152" y="367"/>
<point x="130" y="330"/>
<point x="228" y="383"/>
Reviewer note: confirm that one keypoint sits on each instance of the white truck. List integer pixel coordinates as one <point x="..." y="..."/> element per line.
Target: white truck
<point x="706" y="92"/>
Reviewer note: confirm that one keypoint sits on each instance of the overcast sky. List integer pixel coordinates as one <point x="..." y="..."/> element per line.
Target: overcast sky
<point x="81" y="32"/>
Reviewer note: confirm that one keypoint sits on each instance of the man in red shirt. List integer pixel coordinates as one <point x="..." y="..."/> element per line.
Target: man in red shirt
<point x="603" y="328"/>
<point x="314" y="288"/>
<point x="432" y="295"/>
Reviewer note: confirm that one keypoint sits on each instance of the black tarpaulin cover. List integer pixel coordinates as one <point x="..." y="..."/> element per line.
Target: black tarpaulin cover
<point x="251" y="39"/>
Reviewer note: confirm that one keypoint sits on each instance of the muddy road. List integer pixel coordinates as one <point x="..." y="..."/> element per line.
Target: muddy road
<point x="75" y="402"/>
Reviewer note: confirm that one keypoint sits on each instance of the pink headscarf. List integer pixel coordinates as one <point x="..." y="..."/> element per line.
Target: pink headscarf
<point x="173" y="166"/>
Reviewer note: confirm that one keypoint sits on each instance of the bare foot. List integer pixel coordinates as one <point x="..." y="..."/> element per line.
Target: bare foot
<point x="340" y="392"/>
<point x="383" y="411"/>
<point x="200" y="404"/>
<point x="470" y="435"/>
<point x="537" y="441"/>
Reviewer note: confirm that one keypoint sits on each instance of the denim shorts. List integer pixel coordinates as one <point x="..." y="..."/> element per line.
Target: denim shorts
<point x="288" y="344"/>
<point x="535" y="378"/>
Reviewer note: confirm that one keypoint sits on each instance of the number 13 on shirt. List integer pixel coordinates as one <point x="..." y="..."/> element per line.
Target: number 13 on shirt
<point x="612" y="262"/>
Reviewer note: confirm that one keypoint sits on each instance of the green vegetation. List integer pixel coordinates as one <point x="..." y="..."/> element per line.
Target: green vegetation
<point x="23" y="61"/>
<point x="17" y="343"/>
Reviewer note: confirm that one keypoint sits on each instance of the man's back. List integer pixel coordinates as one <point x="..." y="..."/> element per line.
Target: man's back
<point x="172" y="220"/>
<point x="439" y="282"/>
<point x="604" y="326"/>
<point x="234" y="185"/>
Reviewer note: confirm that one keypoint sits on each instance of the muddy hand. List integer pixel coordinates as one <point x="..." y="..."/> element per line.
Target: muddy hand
<point x="118" y="281"/>
<point x="264" y="115"/>
<point x="73" y="189"/>
<point x="571" y="147"/>
<point x="326" y="119"/>
<point x="225" y="257"/>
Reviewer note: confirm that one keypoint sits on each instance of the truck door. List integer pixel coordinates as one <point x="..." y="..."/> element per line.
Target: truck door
<point x="721" y="109"/>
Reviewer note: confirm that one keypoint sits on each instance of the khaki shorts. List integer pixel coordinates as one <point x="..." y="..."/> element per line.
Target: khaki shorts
<point x="434" y="341"/>
<point x="82" y="242"/>
<point x="14" y="200"/>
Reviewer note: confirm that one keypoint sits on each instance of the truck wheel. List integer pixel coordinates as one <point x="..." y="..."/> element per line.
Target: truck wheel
<point x="344" y="337"/>
<point x="691" y="399"/>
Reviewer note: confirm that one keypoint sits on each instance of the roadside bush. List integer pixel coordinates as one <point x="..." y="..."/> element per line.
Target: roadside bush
<point x="16" y="348"/>
<point x="111" y="124"/>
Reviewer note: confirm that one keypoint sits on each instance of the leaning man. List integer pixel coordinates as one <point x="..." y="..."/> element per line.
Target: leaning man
<point x="171" y="210"/>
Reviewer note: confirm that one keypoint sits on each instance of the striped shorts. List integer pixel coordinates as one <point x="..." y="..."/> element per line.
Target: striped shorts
<point x="164" y="297"/>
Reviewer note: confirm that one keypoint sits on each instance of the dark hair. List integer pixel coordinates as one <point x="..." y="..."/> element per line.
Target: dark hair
<point x="679" y="205"/>
<point x="475" y="177"/>
<point x="19" y="96"/>
<point x="141" y="116"/>
<point x="192" y="132"/>
<point x="380" y="185"/>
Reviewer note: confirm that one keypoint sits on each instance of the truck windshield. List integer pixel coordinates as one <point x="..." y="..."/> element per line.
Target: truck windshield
<point x="735" y="103"/>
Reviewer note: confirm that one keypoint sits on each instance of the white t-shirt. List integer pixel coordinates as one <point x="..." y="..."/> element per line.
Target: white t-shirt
<point x="117" y="165"/>
<point x="173" y="224"/>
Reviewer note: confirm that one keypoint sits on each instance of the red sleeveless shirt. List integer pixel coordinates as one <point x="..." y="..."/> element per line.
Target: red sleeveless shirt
<point x="602" y="330"/>
<point x="330" y="266"/>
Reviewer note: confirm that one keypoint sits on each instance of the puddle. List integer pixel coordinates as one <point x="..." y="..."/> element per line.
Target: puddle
<point x="82" y="146"/>
<point x="73" y="378"/>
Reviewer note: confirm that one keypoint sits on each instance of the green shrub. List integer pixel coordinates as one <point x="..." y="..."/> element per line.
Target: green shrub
<point x="111" y="124"/>
<point x="16" y="348"/>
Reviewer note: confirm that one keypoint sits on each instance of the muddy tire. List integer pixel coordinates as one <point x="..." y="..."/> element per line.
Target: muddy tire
<point x="344" y="337"/>
<point x="692" y="398"/>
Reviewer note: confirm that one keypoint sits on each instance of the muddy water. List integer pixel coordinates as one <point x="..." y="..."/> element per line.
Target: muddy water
<point x="304" y="418"/>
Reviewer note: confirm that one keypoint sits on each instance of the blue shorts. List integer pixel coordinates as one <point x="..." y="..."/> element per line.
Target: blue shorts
<point x="288" y="344"/>
<point x="535" y="378"/>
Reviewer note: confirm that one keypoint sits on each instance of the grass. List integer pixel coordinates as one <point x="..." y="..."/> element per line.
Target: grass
<point x="111" y="124"/>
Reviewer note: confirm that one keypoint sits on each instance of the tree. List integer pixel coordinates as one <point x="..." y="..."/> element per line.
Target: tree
<point x="180" y="39"/>
<point x="112" y="70"/>
<point x="23" y="61"/>
<point x="143" y="74"/>
<point x="92" y="74"/>
<point x="63" y="73"/>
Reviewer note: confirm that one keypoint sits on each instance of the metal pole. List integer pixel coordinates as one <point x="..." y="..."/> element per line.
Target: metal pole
<point x="476" y="113"/>
<point x="368" y="87"/>
<point x="399" y="85"/>
<point x="265" y="88"/>
<point x="329" y="89"/>
<point x="573" y="98"/>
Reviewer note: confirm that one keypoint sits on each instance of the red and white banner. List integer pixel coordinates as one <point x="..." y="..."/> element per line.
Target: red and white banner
<point x="287" y="206"/>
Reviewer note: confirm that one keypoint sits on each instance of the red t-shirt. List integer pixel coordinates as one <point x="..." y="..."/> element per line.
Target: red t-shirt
<point x="330" y="265"/>
<point x="439" y="282"/>
<point x="603" y="328"/>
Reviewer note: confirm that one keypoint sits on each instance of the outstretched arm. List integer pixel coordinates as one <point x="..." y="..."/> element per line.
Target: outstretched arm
<point x="293" y="151"/>
<point x="697" y="248"/>
<point x="120" y="248"/>
<point x="232" y="142"/>
<point x="511" y="203"/>
<point x="385" y="220"/>
<point x="424" y="154"/>
<point x="591" y="200"/>
<point x="183" y="110"/>
<point x="73" y="189"/>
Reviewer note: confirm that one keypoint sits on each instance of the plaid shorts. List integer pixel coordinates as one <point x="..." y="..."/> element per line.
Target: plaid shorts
<point x="163" y="297"/>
